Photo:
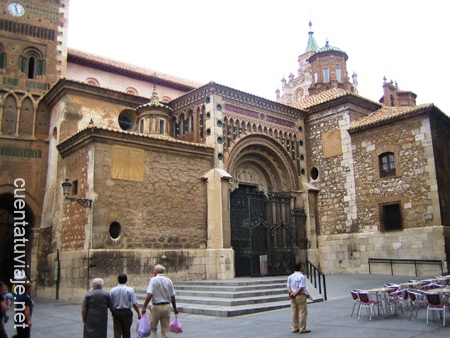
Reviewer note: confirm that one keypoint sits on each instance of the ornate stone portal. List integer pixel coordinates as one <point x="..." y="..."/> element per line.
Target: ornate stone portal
<point x="249" y="175"/>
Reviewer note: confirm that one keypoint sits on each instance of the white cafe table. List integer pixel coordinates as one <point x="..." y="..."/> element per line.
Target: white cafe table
<point x="381" y="294"/>
<point x="439" y="290"/>
<point x="411" y="284"/>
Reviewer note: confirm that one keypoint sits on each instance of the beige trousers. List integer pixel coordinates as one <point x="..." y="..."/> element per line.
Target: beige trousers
<point x="160" y="314"/>
<point x="299" y="311"/>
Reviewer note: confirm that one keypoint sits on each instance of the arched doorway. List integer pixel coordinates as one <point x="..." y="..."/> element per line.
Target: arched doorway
<point x="16" y="224"/>
<point x="263" y="229"/>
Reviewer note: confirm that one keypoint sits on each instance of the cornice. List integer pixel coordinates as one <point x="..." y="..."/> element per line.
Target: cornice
<point x="236" y="96"/>
<point x="65" y="86"/>
<point x="94" y="134"/>
<point x="128" y="70"/>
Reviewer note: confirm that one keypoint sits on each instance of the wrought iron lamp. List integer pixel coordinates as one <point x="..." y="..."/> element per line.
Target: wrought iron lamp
<point x="84" y="202"/>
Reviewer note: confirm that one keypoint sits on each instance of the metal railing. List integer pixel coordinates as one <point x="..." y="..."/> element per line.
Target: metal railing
<point x="317" y="278"/>
<point x="393" y="261"/>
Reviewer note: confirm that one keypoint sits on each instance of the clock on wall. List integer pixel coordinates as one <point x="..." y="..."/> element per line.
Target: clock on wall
<point x="16" y="9"/>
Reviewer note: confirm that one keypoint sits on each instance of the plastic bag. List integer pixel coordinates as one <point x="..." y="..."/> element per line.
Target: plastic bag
<point x="175" y="326"/>
<point x="143" y="327"/>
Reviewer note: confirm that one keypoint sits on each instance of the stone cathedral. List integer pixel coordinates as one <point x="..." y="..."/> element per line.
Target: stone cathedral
<point x="107" y="167"/>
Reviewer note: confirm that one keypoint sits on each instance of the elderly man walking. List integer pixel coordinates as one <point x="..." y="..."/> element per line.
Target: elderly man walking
<point x="123" y="298"/>
<point x="162" y="293"/>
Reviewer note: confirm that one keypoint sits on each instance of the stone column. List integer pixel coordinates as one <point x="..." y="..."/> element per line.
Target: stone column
<point x="220" y="255"/>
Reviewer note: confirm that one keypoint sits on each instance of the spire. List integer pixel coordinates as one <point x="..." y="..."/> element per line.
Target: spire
<point x="154" y="99"/>
<point x="312" y="44"/>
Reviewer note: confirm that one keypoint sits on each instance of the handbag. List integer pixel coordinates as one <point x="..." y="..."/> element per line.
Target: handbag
<point x="143" y="327"/>
<point x="175" y="326"/>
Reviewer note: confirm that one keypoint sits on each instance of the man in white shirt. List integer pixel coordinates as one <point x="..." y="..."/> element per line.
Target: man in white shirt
<point x="162" y="293"/>
<point x="296" y="287"/>
<point x="123" y="298"/>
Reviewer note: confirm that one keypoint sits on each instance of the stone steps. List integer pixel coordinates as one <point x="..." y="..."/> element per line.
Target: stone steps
<point x="233" y="297"/>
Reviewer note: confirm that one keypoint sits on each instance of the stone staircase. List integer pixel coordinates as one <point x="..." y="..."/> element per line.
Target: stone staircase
<point x="233" y="297"/>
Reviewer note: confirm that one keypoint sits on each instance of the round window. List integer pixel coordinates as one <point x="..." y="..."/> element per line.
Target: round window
<point x="115" y="229"/>
<point x="126" y="121"/>
<point x="314" y="173"/>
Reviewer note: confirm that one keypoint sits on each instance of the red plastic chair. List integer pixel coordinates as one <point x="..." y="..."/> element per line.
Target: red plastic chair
<point x="367" y="303"/>
<point x="397" y="299"/>
<point x="356" y="300"/>
<point x="435" y="304"/>
<point x="417" y="302"/>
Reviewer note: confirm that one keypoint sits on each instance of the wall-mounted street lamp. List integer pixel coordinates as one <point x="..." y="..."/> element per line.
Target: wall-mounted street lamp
<point x="84" y="202"/>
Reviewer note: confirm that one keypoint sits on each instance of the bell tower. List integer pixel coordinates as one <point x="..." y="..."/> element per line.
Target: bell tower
<point x="33" y="45"/>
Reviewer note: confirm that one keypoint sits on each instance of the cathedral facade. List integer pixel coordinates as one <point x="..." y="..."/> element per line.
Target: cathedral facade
<point x="208" y="180"/>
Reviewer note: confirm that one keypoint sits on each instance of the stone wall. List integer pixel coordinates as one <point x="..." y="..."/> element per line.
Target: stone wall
<point x="165" y="208"/>
<point x="414" y="184"/>
<point x="181" y="265"/>
<point x="329" y="150"/>
<point x="440" y="129"/>
<point x="349" y="253"/>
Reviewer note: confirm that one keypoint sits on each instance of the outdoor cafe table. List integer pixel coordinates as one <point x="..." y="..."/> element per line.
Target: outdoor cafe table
<point x="439" y="290"/>
<point x="381" y="294"/>
<point x="411" y="284"/>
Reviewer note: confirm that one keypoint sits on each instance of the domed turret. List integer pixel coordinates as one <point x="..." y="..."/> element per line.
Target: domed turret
<point x="329" y="69"/>
<point x="154" y="116"/>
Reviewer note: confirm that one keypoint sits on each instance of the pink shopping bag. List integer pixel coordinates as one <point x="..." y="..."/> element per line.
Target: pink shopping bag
<point x="175" y="326"/>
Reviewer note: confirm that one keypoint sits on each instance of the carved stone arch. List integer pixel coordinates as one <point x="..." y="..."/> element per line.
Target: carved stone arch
<point x="33" y="51"/>
<point x="267" y="156"/>
<point x="32" y="220"/>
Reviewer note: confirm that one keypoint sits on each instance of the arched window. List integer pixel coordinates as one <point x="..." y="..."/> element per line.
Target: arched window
<point x="131" y="90"/>
<point x="26" y="120"/>
<point x="93" y="82"/>
<point x="2" y="57"/>
<point x="326" y="75"/>
<point x="387" y="164"/>
<point x="9" y="117"/>
<point x="32" y="63"/>
<point x="191" y="121"/>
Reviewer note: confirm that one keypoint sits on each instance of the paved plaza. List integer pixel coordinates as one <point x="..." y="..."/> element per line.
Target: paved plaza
<point x="54" y="319"/>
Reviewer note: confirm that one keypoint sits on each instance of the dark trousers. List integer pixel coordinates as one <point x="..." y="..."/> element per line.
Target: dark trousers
<point x="122" y="319"/>
<point x="22" y="332"/>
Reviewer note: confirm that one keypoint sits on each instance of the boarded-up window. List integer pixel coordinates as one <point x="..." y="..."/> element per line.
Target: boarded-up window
<point x="9" y="118"/>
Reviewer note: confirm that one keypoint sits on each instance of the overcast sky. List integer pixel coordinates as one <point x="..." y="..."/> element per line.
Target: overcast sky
<point x="251" y="45"/>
